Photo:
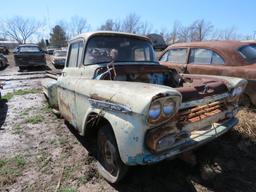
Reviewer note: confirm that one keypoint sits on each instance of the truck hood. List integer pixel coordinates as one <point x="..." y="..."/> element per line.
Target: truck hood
<point x="136" y="96"/>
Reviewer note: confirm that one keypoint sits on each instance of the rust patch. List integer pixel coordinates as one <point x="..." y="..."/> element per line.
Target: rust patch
<point x="196" y="114"/>
<point x="156" y="134"/>
<point x="97" y="97"/>
<point x="66" y="108"/>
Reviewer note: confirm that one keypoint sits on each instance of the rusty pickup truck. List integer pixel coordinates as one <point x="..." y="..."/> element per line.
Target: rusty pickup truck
<point x="139" y="112"/>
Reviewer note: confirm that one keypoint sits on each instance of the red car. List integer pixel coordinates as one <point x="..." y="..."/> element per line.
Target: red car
<point x="225" y="58"/>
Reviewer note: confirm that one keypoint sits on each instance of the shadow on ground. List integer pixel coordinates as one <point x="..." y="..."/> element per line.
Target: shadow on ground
<point x="33" y="68"/>
<point x="226" y="164"/>
<point x="3" y="111"/>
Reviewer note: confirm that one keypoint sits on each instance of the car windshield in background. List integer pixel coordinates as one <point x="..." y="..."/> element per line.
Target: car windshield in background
<point x="60" y="53"/>
<point x="29" y="49"/>
<point x="248" y="52"/>
<point x="100" y="49"/>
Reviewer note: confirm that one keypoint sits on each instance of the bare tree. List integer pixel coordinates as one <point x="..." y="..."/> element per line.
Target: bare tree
<point x="131" y="23"/>
<point x="200" y="30"/>
<point x="111" y="25"/>
<point x="145" y="28"/>
<point x="230" y="34"/>
<point x="226" y="34"/>
<point x="78" y="25"/>
<point x="174" y="35"/>
<point x="75" y="26"/>
<point x="20" y="29"/>
<point x="164" y="33"/>
<point x="184" y="34"/>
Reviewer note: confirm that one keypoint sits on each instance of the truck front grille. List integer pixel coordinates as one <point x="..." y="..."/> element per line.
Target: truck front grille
<point x="198" y="113"/>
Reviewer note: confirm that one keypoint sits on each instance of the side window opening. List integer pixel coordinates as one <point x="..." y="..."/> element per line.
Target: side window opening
<point x="75" y="54"/>
<point x="164" y="57"/>
<point x="248" y="52"/>
<point x="216" y="59"/>
<point x="204" y="56"/>
<point x="177" y="56"/>
<point x="80" y="53"/>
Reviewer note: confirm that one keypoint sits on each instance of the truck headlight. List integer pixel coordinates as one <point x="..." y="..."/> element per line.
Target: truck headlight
<point x="237" y="91"/>
<point x="154" y="110"/>
<point x="168" y="107"/>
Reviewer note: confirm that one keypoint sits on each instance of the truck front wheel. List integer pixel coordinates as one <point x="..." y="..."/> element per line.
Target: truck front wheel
<point x="109" y="163"/>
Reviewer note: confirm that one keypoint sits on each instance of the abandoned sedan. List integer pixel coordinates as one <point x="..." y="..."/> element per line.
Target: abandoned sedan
<point x="58" y="58"/>
<point x="229" y="58"/>
<point x="29" y="56"/>
<point x="114" y="91"/>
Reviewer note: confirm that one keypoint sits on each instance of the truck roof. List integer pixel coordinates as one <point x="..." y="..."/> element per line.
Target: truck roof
<point x="90" y="34"/>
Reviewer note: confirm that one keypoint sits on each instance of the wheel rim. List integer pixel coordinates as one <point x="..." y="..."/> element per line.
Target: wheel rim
<point x="108" y="157"/>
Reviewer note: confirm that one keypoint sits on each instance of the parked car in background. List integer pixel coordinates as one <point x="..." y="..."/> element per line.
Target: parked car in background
<point x="114" y="91"/>
<point x="225" y="58"/>
<point x="3" y="61"/>
<point x="58" y="58"/>
<point x="29" y="55"/>
<point x="158" y="42"/>
<point x="50" y="51"/>
<point x="4" y="50"/>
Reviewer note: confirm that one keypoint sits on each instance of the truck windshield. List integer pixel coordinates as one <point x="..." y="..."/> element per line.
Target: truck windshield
<point x="248" y="52"/>
<point x="127" y="49"/>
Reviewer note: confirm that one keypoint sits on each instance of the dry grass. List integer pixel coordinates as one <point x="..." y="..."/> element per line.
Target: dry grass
<point x="247" y="123"/>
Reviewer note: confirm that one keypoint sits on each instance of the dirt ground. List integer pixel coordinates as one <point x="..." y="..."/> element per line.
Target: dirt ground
<point x="39" y="152"/>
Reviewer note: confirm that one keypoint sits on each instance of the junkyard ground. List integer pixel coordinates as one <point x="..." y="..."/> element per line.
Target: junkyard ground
<point x="39" y="152"/>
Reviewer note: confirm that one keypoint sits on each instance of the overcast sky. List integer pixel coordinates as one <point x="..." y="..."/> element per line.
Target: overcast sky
<point x="161" y="13"/>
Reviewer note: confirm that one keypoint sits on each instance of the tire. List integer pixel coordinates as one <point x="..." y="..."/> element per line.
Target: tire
<point x="244" y="100"/>
<point x="21" y="68"/>
<point x="109" y="163"/>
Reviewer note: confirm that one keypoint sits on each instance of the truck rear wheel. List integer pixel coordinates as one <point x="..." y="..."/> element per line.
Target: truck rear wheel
<point x="109" y="163"/>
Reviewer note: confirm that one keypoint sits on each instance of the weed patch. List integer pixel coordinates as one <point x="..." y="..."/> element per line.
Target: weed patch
<point x="8" y="96"/>
<point x="18" y="129"/>
<point x="10" y="169"/>
<point x="34" y="119"/>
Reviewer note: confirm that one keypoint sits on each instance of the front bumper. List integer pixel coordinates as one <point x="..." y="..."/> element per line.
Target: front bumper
<point x="30" y="63"/>
<point x="197" y="138"/>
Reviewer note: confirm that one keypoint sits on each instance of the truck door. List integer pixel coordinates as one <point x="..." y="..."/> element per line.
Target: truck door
<point x="205" y="61"/>
<point x="67" y="85"/>
<point x="175" y="58"/>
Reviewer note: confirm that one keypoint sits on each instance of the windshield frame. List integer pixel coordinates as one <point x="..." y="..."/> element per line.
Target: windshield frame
<point x="152" y="52"/>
